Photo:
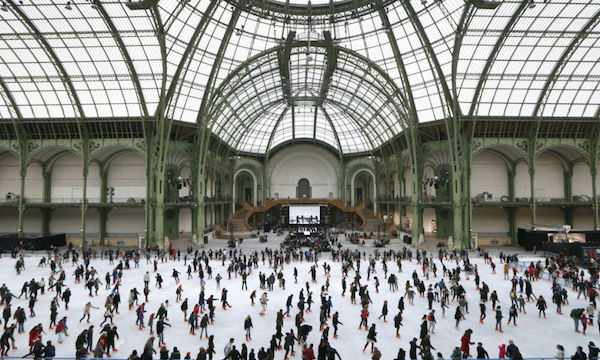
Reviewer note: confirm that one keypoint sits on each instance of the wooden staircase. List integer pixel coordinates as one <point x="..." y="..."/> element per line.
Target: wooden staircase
<point x="238" y="221"/>
<point x="371" y="222"/>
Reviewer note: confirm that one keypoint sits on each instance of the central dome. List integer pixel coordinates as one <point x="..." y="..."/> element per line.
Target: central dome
<point x="313" y="2"/>
<point x="304" y="11"/>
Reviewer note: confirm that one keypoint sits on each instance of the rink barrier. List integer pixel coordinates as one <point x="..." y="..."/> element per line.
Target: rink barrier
<point x="193" y="357"/>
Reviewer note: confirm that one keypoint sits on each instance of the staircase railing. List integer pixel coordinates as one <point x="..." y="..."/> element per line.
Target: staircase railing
<point x="238" y="212"/>
<point x="362" y="216"/>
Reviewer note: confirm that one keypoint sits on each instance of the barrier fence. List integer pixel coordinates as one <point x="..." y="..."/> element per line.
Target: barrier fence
<point x="193" y="357"/>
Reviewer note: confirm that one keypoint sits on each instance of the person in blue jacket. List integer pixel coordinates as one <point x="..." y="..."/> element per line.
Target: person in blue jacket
<point x="49" y="350"/>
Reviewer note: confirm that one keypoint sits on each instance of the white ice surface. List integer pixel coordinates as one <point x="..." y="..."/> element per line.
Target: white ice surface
<point x="535" y="337"/>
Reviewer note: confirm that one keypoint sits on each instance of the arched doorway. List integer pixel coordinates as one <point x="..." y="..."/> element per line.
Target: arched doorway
<point x="364" y="189"/>
<point x="244" y="187"/>
<point x="364" y="186"/>
<point x="303" y="189"/>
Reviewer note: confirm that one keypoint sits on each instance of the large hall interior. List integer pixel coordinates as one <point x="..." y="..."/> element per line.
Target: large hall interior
<point x="133" y="123"/>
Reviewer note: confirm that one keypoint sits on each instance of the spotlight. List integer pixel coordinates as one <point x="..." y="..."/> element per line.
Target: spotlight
<point x="424" y="2"/>
<point x="531" y="4"/>
<point x="4" y="6"/>
<point x="94" y="5"/>
<point x="240" y="31"/>
<point x="68" y="6"/>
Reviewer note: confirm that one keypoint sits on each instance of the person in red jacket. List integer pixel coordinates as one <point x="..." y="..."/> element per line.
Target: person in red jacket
<point x="364" y="317"/>
<point x="308" y="353"/>
<point x="35" y="334"/>
<point x="60" y="328"/>
<point x="465" y="341"/>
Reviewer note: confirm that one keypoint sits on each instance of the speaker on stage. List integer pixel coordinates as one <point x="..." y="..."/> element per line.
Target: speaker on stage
<point x="285" y="213"/>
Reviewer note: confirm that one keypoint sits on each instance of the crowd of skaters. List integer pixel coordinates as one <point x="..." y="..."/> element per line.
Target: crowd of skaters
<point x="456" y="268"/>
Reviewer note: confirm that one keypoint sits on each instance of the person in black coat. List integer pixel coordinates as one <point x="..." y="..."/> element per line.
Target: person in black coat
<point x="175" y="354"/>
<point x="160" y="331"/>
<point x="579" y="354"/>
<point x="593" y="351"/>
<point x="512" y="351"/>
<point x="481" y="353"/>
<point x="81" y="353"/>
<point x="398" y="323"/>
<point x="233" y="354"/>
<point x="423" y="331"/>
<point x="426" y="342"/>
<point x="401" y="354"/>
<point x="371" y="338"/>
<point x="332" y="353"/>
<point x="303" y="332"/>
<point x="37" y="350"/>
<point x="322" y="350"/>
<point x="458" y="316"/>
<point x="288" y="344"/>
<point x="244" y="352"/>
<point x="412" y="352"/>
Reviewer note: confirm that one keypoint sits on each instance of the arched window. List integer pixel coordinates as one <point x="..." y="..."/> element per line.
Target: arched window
<point x="303" y="189"/>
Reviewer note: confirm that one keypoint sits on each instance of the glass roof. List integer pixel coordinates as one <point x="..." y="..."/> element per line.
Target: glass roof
<point x="103" y="60"/>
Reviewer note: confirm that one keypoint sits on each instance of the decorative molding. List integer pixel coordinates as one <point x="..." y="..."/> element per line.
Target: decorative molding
<point x="523" y="145"/>
<point x="476" y="144"/>
<point x="140" y="145"/>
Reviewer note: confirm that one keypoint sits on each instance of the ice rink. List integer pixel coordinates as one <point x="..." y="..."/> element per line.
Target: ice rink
<point x="534" y="336"/>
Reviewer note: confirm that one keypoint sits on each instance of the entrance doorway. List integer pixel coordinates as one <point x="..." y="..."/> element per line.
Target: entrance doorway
<point x="303" y="189"/>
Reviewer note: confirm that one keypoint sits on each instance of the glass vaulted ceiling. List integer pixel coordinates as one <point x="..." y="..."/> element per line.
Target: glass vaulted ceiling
<point x="104" y="61"/>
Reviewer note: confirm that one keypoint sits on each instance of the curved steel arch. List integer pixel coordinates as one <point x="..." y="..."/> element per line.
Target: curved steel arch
<point x="335" y="133"/>
<point x="123" y="49"/>
<point x="510" y="164"/>
<point x="275" y="86"/>
<point x="6" y="93"/>
<point x="218" y="111"/>
<point x="65" y="77"/>
<point x="268" y="149"/>
<point x="260" y="114"/>
<point x="351" y="113"/>
<point x="494" y="53"/>
<point x="370" y="63"/>
<point x="242" y="72"/>
<point x="374" y="113"/>
<point x="381" y="72"/>
<point x="463" y="25"/>
<point x="210" y="89"/>
<point x="400" y="63"/>
<point x="338" y="104"/>
<point x="254" y="116"/>
<point x="191" y="48"/>
<point x="441" y="81"/>
<point x="560" y="65"/>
